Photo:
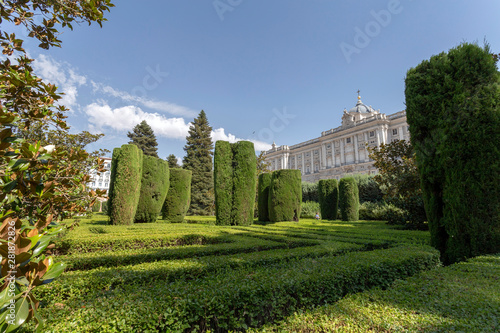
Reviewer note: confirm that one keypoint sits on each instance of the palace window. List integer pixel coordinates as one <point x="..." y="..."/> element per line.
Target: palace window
<point x="328" y="146"/>
<point x="308" y="169"/>
<point x="372" y="134"/>
<point x="348" y="140"/>
<point x="315" y="152"/>
<point x="395" y="131"/>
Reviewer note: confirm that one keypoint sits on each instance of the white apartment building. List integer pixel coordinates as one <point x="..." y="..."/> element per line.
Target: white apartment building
<point x="341" y="151"/>
<point x="101" y="180"/>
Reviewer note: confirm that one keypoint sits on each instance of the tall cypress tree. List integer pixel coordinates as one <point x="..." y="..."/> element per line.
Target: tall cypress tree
<point x="144" y="138"/>
<point x="198" y="159"/>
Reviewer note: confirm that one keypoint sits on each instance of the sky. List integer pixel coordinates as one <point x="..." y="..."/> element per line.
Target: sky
<point x="266" y="71"/>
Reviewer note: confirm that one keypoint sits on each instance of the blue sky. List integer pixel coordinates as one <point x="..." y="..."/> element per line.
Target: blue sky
<point x="280" y="70"/>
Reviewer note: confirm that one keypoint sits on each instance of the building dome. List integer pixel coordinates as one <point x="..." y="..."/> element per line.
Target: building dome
<point x="361" y="108"/>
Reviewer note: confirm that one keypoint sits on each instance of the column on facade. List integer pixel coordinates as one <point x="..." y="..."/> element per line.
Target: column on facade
<point x="312" y="161"/>
<point x="323" y="156"/>
<point x="366" y="142"/>
<point x="378" y="136"/>
<point x="303" y="163"/>
<point x="342" y="157"/>
<point x="356" y="152"/>
<point x="385" y="128"/>
<point x="401" y="137"/>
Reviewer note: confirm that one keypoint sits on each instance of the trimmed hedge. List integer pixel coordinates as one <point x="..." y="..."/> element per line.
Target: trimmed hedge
<point x="453" y="111"/>
<point x="223" y="182"/>
<point x="263" y="196"/>
<point x="244" y="182"/>
<point x="235" y="169"/>
<point x="349" y="199"/>
<point x="310" y="192"/>
<point x="238" y="299"/>
<point x="285" y="195"/>
<point x="154" y="187"/>
<point x="328" y="198"/>
<point x="426" y="302"/>
<point x="126" y="174"/>
<point x="178" y="197"/>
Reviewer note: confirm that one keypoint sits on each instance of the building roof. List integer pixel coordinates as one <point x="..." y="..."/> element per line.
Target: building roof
<point x="361" y="108"/>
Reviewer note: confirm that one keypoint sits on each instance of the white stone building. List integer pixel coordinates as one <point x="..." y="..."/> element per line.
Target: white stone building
<point x="341" y="151"/>
<point x="101" y="180"/>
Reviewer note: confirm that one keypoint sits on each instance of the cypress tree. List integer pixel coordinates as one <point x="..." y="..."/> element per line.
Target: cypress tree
<point x="144" y="138"/>
<point x="285" y="195"/>
<point x="223" y="181"/>
<point x="235" y="182"/>
<point x="198" y="159"/>
<point x="244" y="182"/>
<point x="172" y="161"/>
<point x="177" y="201"/>
<point x="328" y="198"/>
<point x="154" y="188"/>
<point x="349" y="199"/>
<point x="263" y="204"/>
<point x="453" y="109"/>
<point x="126" y="174"/>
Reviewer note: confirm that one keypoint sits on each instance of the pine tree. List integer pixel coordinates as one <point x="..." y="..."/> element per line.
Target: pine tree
<point x="172" y="161"/>
<point x="144" y="138"/>
<point x="198" y="159"/>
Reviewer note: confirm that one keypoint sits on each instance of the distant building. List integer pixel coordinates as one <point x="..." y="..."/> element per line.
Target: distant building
<point x="341" y="151"/>
<point x="101" y="180"/>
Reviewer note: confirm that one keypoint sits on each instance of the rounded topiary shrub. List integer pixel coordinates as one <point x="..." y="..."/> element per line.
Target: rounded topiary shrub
<point x="223" y="182"/>
<point x="349" y="199"/>
<point x="263" y="196"/>
<point x="328" y="198"/>
<point x="178" y="197"/>
<point x="154" y="187"/>
<point x="126" y="174"/>
<point x="285" y="195"/>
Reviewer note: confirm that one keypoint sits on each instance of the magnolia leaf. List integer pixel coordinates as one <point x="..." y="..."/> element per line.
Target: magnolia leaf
<point x="41" y="245"/>
<point x="22" y="312"/>
<point x="54" y="271"/>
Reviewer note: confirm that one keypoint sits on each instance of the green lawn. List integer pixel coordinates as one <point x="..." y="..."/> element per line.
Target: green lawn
<point x="200" y="277"/>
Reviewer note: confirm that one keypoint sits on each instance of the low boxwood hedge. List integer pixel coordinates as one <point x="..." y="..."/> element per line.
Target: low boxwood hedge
<point x="231" y="299"/>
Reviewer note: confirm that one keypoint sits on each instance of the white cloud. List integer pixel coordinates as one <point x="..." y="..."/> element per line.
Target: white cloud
<point x="219" y="134"/>
<point x="162" y="106"/>
<point x="102" y="116"/>
<point x="62" y="75"/>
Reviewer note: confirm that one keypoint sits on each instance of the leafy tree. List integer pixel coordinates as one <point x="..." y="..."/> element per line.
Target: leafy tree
<point x="198" y="159"/>
<point x="399" y="181"/>
<point x="262" y="165"/>
<point x="38" y="185"/>
<point x="453" y="109"/>
<point x="144" y="137"/>
<point x="172" y="161"/>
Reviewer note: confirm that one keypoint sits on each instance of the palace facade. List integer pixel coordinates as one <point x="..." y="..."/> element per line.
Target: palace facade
<point x="341" y="151"/>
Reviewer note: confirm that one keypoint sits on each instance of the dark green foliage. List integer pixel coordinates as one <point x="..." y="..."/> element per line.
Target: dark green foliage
<point x="369" y="189"/>
<point x="328" y="198"/>
<point x="126" y="174"/>
<point x="172" y="161"/>
<point x="176" y="203"/>
<point x="198" y="159"/>
<point x="154" y="187"/>
<point x="310" y="192"/>
<point x="223" y="181"/>
<point x="349" y="199"/>
<point x="263" y="196"/>
<point x="244" y="182"/>
<point x="144" y="138"/>
<point x="453" y="110"/>
<point x="235" y="182"/>
<point x="309" y="209"/>
<point x="285" y="195"/>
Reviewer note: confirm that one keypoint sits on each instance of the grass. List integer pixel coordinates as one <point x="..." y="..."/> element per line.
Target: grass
<point x="199" y="277"/>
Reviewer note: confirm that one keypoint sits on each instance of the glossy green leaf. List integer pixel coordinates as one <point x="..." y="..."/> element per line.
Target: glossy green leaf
<point x="54" y="271"/>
